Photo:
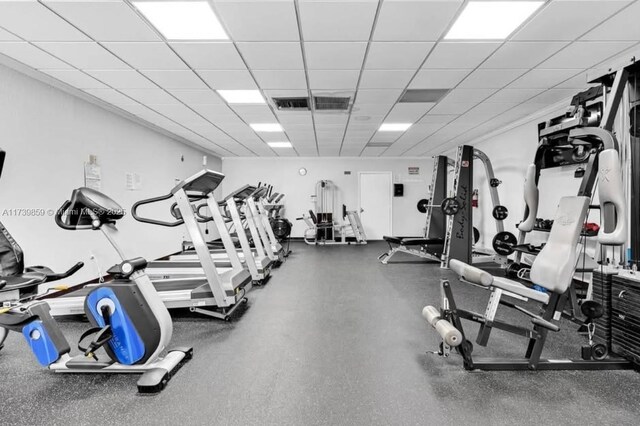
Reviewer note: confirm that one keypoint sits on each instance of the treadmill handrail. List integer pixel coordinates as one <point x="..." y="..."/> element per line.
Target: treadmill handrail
<point x="134" y="212"/>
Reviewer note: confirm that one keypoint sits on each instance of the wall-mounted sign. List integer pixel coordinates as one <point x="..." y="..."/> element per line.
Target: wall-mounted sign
<point x="414" y="170"/>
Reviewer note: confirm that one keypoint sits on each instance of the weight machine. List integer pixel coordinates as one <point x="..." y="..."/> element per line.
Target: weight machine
<point x="322" y="228"/>
<point x="449" y="231"/>
<point x="585" y="133"/>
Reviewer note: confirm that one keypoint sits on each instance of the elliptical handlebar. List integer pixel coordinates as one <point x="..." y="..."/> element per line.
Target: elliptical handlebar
<point x="134" y="212"/>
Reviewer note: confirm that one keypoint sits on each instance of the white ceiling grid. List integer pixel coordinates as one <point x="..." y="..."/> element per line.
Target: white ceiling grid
<point x="370" y="50"/>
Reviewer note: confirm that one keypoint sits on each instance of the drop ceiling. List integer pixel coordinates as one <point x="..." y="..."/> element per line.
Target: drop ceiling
<point x="369" y="50"/>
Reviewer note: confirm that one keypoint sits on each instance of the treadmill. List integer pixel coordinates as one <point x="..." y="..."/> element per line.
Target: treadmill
<point x="260" y="265"/>
<point x="257" y="213"/>
<point x="209" y="292"/>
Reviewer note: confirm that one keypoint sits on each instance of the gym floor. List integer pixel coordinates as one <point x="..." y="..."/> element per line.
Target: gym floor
<point x="334" y="338"/>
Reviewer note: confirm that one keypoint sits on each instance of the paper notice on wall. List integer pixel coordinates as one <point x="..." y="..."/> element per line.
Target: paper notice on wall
<point x="92" y="176"/>
<point x="134" y="181"/>
<point x="414" y="170"/>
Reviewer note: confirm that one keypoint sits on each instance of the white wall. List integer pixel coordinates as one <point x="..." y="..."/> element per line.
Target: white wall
<point x="48" y="136"/>
<point x="282" y="173"/>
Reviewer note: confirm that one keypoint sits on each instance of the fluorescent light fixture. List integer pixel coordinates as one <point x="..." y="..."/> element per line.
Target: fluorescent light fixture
<point x="267" y="127"/>
<point x="279" y="144"/>
<point x="394" y="127"/>
<point x="183" y="20"/>
<point x="242" y="96"/>
<point x="491" y="20"/>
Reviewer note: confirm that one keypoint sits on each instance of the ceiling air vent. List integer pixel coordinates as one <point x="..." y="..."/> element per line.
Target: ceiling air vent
<point x="331" y="103"/>
<point x="379" y="144"/>
<point x="423" y="95"/>
<point x="291" y="104"/>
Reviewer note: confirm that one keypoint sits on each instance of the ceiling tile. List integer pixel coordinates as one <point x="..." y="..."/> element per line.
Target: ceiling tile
<point x="542" y="78"/>
<point x="30" y="55"/>
<point x="227" y="79"/>
<point x="175" y="79"/>
<point x="272" y="56"/>
<point x="303" y="119"/>
<point x="254" y="110"/>
<point x="459" y="54"/>
<point x="105" y="20"/>
<point x="75" y="78"/>
<point x="263" y="20"/>
<point x="111" y="96"/>
<point x="553" y="96"/>
<point x="567" y="20"/>
<point x="579" y="81"/>
<point x="622" y="26"/>
<point x="150" y="56"/>
<point x="491" y="78"/>
<point x="385" y="79"/>
<point x="34" y="22"/>
<point x="367" y="96"/>
<point x="337" y="20"/>
<point x="408" y="112"/>
<point x="150" y="96"/>
<point x="334" y="55"/>
<point x="84" y="55"/>
<point x="585" y="54"/>
<point x="371" y="109"/>
<point x="123" y="79"/>
<point x="405" y="56"/>
<point x="197" y="97"/>
<point x="514" y="95"/>
<point x="281" y="79"/>
<point x="212" y="112"/>
<point x="449" y="108"/>
<point x="7" y="36"/>
<point x="333" y="79"/>
<point x="468" y="95"/>
<point x="210" y="55"/>
<point x="414" y="20"/>
<point x="432" y="118"/>
<point x="372" y="151"/>
<point x="438" y="79"/>
<point x="523" y="54"/>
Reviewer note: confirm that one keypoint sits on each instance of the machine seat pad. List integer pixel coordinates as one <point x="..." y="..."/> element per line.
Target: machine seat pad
<point x="30" y="279"/>
<point x="520" y="289"/>
<point x="413" y="241"/>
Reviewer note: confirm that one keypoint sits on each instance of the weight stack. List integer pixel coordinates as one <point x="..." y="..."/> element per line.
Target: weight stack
<point x="602" y="294"/>
<point x="625" y="317"/>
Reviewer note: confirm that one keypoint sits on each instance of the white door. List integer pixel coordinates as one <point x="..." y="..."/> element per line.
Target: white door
<point x="375" y="191"/>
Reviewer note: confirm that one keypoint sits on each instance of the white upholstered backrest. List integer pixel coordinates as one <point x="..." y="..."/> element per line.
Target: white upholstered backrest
<point x="554" y="266"/>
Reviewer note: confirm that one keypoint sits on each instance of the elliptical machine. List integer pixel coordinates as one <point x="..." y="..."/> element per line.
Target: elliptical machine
<point x="130" y="321"/>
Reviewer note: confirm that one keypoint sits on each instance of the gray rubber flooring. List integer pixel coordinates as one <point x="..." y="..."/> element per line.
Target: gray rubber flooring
<point x="335" y="338"/>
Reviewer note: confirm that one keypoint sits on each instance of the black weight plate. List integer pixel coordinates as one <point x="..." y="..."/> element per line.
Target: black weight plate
<point x="476" y="235"/>
<point x="450" y="206"/>
<point x="422" y="205"/>
<point x="500" y="212"/>
<point x="504" y="242"/>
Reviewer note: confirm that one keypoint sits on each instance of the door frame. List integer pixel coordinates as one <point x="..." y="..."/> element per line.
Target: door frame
<point x="390" y="174"/>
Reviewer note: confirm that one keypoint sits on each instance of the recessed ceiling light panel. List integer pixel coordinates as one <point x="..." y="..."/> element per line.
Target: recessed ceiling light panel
<point x="267" y="127"/>
<point x="242" y="96"/>
<point x="394" y="127"/>
<point x="491" y="20"/>
<point x="279" y="144"/>
<point x="183" y="20"/>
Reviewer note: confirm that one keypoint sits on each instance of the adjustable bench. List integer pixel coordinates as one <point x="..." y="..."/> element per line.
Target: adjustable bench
<point x="427" y="248"/>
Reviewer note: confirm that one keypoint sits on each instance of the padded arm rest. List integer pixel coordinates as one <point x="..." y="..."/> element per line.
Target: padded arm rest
<point x="471" y="273"/>
<point x="611" y="193"/>
<point x="530" y="199"/>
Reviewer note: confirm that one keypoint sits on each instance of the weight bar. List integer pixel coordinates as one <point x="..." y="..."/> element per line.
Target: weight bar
<point x="504" y="243"/>
<point x="450" y="206"/>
